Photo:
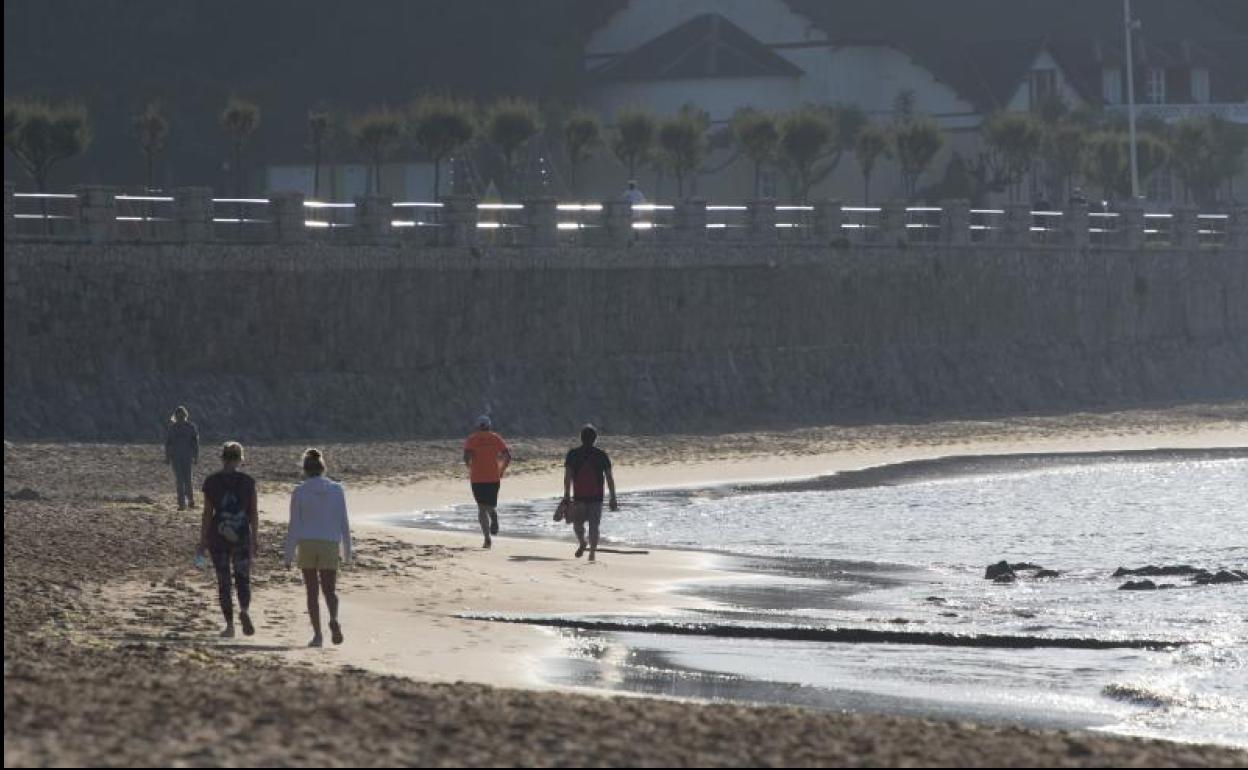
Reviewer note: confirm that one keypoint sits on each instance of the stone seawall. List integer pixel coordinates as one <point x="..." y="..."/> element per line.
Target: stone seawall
<point x="261" y="342"/>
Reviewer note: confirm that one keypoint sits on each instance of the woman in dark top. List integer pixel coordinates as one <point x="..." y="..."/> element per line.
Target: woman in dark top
<point x="229" y="528"/>
<point x="181" y="452"/>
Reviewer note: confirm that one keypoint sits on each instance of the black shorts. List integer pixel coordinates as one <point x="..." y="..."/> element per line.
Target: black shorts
<point x="486" y="492"/>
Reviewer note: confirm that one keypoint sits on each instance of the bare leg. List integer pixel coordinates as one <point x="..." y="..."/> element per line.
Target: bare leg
<point x="329" y="581"/>
<point x="310" y="583"/>
<point x="594" y="523"/>
<point x="483" y="518"/>
<point x="578" y="526"/>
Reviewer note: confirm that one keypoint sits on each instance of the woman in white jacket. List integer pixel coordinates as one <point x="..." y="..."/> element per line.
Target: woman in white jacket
<point x="319" y="531"/>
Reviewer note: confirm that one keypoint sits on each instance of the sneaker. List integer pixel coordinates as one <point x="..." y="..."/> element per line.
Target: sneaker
<point x="228" y="632"/>
<point x="580" y="552"/>
<point x="181" y="507"/>
<point x="248" y="628"/>
<point x="335" y="632"/>
<point x="316" y="641"/>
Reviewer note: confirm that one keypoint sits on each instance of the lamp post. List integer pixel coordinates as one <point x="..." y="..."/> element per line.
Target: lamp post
<point x="1130" y="27"/>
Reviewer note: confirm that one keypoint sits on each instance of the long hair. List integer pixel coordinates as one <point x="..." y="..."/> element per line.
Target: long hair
<point x="181" y="414"/>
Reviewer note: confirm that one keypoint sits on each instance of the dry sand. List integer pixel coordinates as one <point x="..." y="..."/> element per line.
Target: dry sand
<point x="109" y="655"/>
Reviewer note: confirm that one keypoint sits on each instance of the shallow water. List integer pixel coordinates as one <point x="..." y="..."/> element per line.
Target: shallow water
<point x="909" y="551"/>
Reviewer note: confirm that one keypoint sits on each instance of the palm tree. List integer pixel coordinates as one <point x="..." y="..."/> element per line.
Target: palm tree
<point x="805" y="136"/>
<point x="151" y="128"/>
<point x="239" y="119"/>
<point x="320" y="122"/>
<point x="376" y="133"/>
<point x="441" y="126"/>
<point x="582" y="133"/>
<point x="634" y="137"/>
<point x="1064" y="146"/>
<point x="758" y="136"/>
<point x="509" y="126"/>
<point x="40" y="135"/>
<point x="916" y="141"/>
<point x="871" y="144"/>
<point x="682" y="139"/>
<point x="1105" y="162"/>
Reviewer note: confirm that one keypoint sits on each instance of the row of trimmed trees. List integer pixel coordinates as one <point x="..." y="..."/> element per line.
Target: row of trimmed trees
<point x="1058" y="148"/>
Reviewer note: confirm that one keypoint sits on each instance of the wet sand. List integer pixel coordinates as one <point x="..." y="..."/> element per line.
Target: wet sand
<point x="108" y="630"/>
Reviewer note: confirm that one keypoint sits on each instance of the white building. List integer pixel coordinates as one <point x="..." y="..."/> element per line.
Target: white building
<point x="959" y="59"/>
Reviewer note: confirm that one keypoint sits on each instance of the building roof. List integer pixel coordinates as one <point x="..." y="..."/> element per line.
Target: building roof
<point x="706" y="46"/>
<point x="983" y="48"/>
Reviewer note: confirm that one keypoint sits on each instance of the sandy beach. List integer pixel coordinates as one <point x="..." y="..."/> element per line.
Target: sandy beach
<point x="101" y="599"/>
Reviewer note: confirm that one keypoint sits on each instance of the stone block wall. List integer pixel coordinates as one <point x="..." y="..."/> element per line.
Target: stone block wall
<point x="316" y="340"/>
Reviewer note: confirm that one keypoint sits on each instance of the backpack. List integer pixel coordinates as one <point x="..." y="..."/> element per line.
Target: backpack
<point x="231" y="517"/>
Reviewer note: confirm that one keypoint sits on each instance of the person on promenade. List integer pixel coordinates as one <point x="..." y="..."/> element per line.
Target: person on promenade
<point x="230" y="534"/>
<point x="181" y="452"/>
<point x="585" y="469"/>
<point x="319" y="530"/>
<point x="632" y="194"/>
<point x="487" y="458"/>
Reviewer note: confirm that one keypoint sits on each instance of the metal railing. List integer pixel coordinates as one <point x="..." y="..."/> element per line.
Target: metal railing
<point x="192" y="214"/>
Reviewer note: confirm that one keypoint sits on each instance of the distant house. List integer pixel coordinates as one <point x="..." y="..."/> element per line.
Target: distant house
<point x="959" y="59"/>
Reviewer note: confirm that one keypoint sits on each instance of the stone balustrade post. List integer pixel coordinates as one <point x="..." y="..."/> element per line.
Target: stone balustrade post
<point x="1075" y="225"/>
<point x="1184" y="227"/>
<point x="892" y="225"/>
<point x="97" y="212"/>
<point x="192" y="210"/>
<point x="761" y="216"/>
<point x="955" y="222"/>
<point x="827" y="221"/>
<point x="691" y="220"/>
<point x="617" y="221"/>
<point x="459" y="221"/>
<point x="1130" y="226"/>
<point x="1237" y="228"/>
<point x="10" y="224"/>
<point x="541" y="216"/>
<point x="1016" y="229"/>
<point x="288" y="217"/>
<point x="373" y="215"/>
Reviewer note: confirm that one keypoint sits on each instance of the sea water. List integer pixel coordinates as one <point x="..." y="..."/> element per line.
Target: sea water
<point x="909" y="553"/>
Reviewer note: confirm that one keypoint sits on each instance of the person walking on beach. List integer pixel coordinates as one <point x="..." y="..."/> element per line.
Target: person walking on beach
<point x="585" y="469"/>
<point x="319" y="530"/>
<point x="181" y="452"/>
<point x="487" y="458"/>
<point x="229" y="534"/>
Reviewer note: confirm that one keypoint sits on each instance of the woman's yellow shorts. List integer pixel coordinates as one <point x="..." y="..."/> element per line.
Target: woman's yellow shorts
<point x="318" y="554"/>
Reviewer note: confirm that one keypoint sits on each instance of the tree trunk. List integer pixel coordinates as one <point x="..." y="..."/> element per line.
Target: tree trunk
<point x="149" y="170"/>
<point x="316" y="170"/>
<point x="758" y="177"/>
<point x="437" y="177"/>
<point x="866" y="188"/>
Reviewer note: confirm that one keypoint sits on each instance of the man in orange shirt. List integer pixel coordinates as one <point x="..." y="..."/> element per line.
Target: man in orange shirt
<point x="487" y="458"/>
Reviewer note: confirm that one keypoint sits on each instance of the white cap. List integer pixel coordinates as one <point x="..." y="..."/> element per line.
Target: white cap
<point x="483" y="421"/>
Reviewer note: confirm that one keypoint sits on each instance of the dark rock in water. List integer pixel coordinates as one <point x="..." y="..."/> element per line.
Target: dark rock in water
<point x="1166" y="586"/>
<point x="936" y="600"/>
<point x="949" y="614"/>
<point x="1221" y="578"/>
<point x="25" y="493"/>
<point x="1025" y="565"/>
<point x="1142" y="585"/>
<point x="1008" y="577"/>
<point x="1151" y="571"/>
<point x="1048" y="573"/>
<point x="1241" y="573"/>
<point x="999" y="569"/>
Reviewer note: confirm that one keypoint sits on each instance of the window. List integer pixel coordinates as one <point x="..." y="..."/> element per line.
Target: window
<point x="1155" y="86"/>
<point x="1200" y="85"/>
<point x="1111" y="85"/>
<point x="1043" y="86"/>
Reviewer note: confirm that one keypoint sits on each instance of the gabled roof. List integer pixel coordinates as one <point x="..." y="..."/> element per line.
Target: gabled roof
<point x="706" y="46"/>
